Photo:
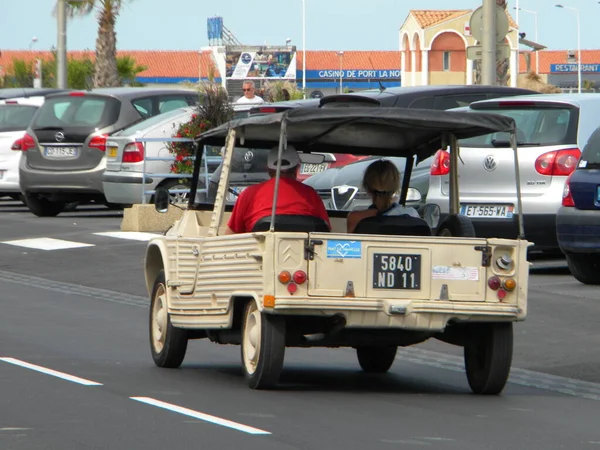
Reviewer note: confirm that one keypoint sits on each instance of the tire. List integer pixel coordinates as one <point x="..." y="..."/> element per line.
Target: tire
<point x="457" y="226"/>
<point x="174" y="183"/>
<point x="263" y="347"/>
<point x="488" y="357"/>
<point x="42" y="207"/>
<point x="168" y="344"/>
<point x="585" y="268"/>
<point x="376" y="359"/>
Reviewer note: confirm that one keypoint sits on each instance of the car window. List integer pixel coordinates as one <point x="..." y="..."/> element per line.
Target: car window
<point x="535" y="126"/>
<point x="169" y="104"/>
<point x="443" y="102"/>
<point x="143" y="106"/>
<point x="152" y="121"/>
<point x="590" y="157"/>
<point x="423" y="103"/>
<point x="15" y="117"/>
<point x="77" y="110"/>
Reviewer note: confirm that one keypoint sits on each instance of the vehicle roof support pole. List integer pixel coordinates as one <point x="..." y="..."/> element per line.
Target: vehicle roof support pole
<point x="282" y="147"/>
<point x="454" y="194"/>
<point x="408" y="167"/>
<point x="513" y="144"/>
<point x="219" y="206"/>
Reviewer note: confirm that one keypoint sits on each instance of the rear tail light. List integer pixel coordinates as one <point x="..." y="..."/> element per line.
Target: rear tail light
<point x="24" y="143"/>
<point x="299" y="277"/>
<point x="510" y="104"/>
<point x="77" y="94"/>
<point x="441" y="163"/>
<point x="558" y="162"/>
<point x="494" y="283"/>
<point x="133" y="153"/>
<point x="284" y="277"/>
<point x="267" y="110"/>
<point x="99" y="142"/>
<point x="509" y="284"/>
<point x="567" y="199"/>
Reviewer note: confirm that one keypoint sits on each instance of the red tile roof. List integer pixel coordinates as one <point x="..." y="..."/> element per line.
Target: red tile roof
<point x="185" y="64"/>
<point x="428" y="18"/>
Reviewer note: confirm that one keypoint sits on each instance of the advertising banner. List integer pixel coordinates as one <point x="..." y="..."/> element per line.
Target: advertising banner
<point x="260" y="63"/>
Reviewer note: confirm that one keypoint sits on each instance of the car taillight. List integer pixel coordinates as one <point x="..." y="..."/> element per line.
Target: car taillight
<point x="558" y="162"/>
<point x="567" y="199"/>
<point x="133" y="153"/>
<point x="77" y="94"/>
<point x="23" y="144"/>
<point x="441" y="163"/>
<point x="99" y="142"/>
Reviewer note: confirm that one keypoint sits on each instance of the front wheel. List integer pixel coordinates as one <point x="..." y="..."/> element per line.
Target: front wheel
<point x="168" y="344"/>
<point x="263" y="347"/>
<point x="488" y="357"/>
<point x="585" y="268"/>
<point x="376" y="359"/>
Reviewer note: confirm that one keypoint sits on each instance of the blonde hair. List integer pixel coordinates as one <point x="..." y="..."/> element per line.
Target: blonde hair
<point x="382" y="182"/>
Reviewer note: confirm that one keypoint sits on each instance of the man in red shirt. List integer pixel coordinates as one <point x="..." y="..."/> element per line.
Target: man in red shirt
<point x="256" y="202"/>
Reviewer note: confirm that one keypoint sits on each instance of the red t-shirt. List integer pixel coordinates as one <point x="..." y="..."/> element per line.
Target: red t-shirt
<point x="256" y="202"/>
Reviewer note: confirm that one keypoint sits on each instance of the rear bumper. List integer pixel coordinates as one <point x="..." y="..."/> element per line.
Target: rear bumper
<point x="578" y="231"/>
<point x="9" y="176"/>
<point x="126" y="188"/>
<point x="64" y="183"/>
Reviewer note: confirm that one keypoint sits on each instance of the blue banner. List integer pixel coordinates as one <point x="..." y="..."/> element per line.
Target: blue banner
<point x="349" y="74"/>
<point x="572" y="68"/>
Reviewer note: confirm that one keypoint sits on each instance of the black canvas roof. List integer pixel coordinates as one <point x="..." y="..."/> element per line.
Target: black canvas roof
<point x="366" y="131"/>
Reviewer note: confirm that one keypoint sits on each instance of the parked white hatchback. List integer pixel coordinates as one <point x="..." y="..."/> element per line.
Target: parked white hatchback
<point x="15" y="115"/>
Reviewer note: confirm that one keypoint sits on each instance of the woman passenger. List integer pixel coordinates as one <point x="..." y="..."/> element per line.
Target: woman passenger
<point x="382" y="182"/>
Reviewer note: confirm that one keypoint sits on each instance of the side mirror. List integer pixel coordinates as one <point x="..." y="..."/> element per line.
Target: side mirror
<point x="161" y="200"/>
<point x="431" y="214"/>
<point x="413" y="195"/>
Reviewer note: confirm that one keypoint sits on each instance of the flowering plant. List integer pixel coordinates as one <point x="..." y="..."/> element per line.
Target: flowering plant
<point x="214" y="109"/>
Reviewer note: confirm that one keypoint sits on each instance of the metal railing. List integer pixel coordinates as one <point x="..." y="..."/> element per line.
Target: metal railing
<point x="207" y="161"/>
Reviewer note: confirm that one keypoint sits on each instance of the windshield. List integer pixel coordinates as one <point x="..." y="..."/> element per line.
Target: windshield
<point x="16" y="117"/>
<point x="77" y="111"/>
<point x="535" y="126"/>
<point x="156" y="120"/>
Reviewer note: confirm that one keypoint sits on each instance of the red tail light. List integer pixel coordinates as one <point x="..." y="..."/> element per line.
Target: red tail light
<point x="99" y="142"/>
<point x="567" y="199"/>
<point x="265" y="109"/>
<point x="24" y="143"/>
<point x="299" y="277"/>
<point x="558" y="162"/>
<point x="77" y="94"/>
<point x="133" y="153"/>
<point x="441" y="163"/>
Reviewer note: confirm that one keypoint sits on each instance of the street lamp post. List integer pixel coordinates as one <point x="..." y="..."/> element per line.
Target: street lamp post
<point x="61" y="47"/>
<point x="537" y="59"/>
<point x="304" y="48"/>
<point x="341" y="55"/>
<point x="578" y="45"/>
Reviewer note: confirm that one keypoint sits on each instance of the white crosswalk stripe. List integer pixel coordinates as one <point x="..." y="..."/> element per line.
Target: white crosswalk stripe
<point x="133" y="235"/>
<point x="46" y="243"/>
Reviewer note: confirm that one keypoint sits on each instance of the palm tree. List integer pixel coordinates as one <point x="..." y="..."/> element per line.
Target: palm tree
<point x="105" y="73"/>
<point x="502" y="65"/>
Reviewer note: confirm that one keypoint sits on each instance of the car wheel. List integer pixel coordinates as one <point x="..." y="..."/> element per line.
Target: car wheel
<point x="263" y="347"/>
<point x="376" y="359"/>
<point x="488" y="357"/>
<point x="585" y="268"/>
<point x="168" y="344"/>
<point x="457" y="226"/>
<point x="43" y="207"/>
<point x="174" y="184"/>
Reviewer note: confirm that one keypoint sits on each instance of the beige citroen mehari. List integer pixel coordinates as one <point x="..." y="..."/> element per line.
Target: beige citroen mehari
<point x="293" y="282"/>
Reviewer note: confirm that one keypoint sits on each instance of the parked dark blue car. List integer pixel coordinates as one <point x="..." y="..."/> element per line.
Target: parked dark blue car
<point x="578" y="220"/>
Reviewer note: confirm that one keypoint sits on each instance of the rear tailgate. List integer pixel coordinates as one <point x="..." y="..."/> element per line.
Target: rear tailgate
<point x="67" y="131"/>
<point x="547" y="148"/>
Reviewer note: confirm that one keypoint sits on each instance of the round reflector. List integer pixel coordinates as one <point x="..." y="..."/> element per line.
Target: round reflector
<point x="284" y="277"/>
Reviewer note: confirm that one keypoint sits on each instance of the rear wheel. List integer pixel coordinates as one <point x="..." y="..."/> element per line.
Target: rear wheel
<point x="263" y="347"/>
<point x="173" y="185"/>
<point x="585" y="268"/>
<point x="43" y="207"/>
<point x="376" y="359"/>
<point x="457" y="226"/>
<point x="488" y="357"/>
<point x="168" y="344"/>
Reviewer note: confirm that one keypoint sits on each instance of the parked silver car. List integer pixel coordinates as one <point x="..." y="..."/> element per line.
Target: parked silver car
<point x="551" y="131"/>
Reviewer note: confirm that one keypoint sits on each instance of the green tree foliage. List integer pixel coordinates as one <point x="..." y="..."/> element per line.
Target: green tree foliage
<point x="128" y="70"/>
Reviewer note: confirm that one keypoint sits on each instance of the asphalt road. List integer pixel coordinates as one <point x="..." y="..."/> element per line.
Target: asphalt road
<point x="76" y="370"/>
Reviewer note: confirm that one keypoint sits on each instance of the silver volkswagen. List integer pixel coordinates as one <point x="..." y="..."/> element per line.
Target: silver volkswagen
<point x="551" y="131"/>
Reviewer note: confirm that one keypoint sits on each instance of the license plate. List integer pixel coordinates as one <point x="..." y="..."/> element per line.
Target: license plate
<point x="396" y="271"/>
<point x="311" y="169"/>
<point x="111" y="152"/>
<point x="60" y="152"/>
<point x="487" y="211"/>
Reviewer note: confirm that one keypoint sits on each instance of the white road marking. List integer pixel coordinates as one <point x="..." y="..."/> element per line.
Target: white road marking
<point x="133" y="235"/>
<point x="54" y="373"/>
<point x="200" y="416"/>
<point x="47" y="244"/>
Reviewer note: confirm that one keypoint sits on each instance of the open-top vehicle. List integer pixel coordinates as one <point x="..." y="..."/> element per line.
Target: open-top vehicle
<point x="292" y="282"/>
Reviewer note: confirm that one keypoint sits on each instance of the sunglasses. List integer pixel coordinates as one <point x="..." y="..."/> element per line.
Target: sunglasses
<point x="247" y="90"/>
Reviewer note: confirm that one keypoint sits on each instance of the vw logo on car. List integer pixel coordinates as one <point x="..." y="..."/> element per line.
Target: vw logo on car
<point x="248" y="156"/>
<point x="489" y="163"/>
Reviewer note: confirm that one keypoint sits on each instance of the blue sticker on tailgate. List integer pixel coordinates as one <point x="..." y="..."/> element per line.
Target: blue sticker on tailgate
<point x="344" y="249"/>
